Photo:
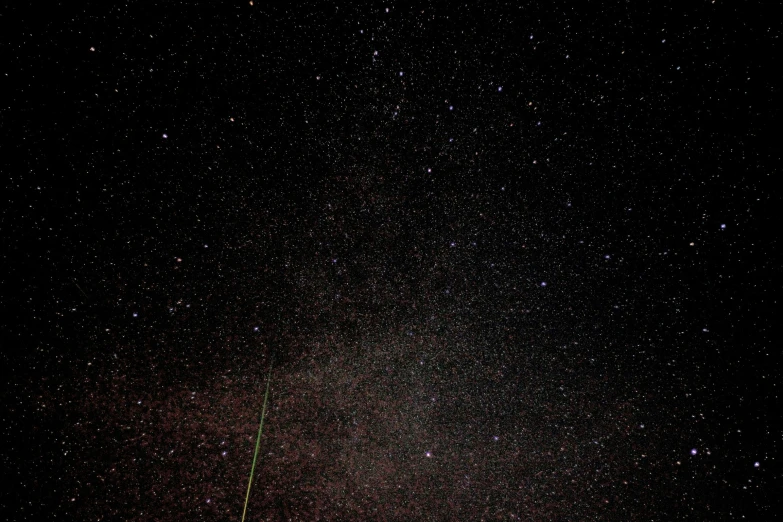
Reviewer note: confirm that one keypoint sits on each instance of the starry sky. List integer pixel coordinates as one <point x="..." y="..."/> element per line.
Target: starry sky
<point x="506" y="261"/>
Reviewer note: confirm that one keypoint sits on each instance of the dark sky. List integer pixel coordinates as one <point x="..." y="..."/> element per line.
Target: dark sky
<point x="507" y="261"/>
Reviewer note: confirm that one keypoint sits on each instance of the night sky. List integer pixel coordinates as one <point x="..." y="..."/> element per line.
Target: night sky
<point x="507" y="261"/>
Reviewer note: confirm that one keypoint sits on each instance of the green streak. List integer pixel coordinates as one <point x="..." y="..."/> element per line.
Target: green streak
<point x="258" y="442"/>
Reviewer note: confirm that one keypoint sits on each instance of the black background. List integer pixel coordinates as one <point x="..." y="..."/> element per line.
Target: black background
<point x="258" y="186"/>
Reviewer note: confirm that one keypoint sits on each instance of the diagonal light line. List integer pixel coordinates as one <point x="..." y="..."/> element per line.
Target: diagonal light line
<point x="258" y="442"/>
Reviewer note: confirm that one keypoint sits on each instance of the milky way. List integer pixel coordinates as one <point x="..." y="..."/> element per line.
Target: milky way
<point x="505" y="263"/>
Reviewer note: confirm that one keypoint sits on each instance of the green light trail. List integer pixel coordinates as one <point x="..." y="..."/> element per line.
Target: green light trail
<point x="258" y="442"/>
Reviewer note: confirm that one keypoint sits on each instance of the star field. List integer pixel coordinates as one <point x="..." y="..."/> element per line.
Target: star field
<point x="506" y="262"/>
